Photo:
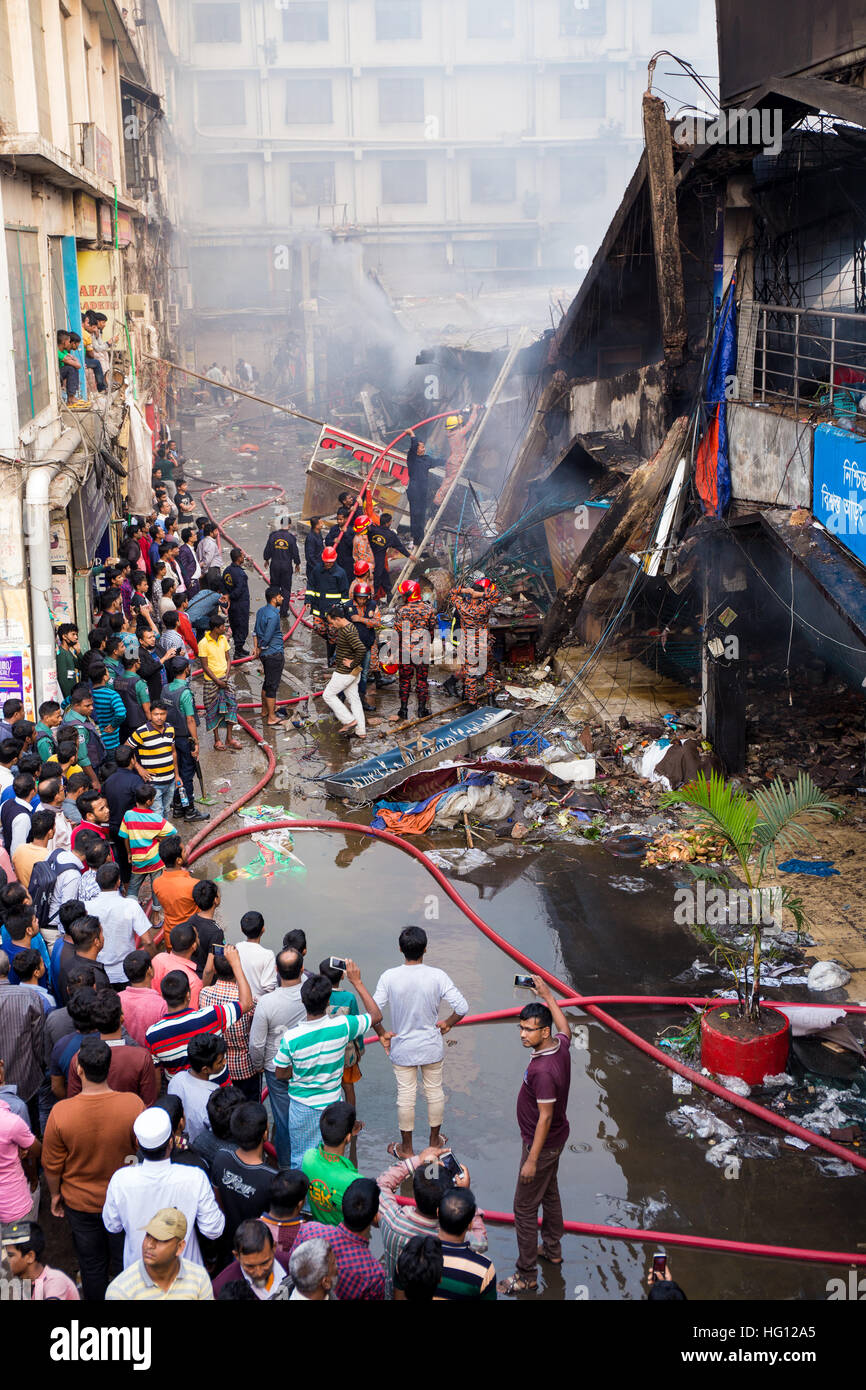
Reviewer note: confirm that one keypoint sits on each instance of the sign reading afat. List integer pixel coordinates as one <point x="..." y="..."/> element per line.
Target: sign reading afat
<point x="839" y="486"/>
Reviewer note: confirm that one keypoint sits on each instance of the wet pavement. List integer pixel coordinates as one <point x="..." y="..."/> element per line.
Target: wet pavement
<point x="601" y="923"/>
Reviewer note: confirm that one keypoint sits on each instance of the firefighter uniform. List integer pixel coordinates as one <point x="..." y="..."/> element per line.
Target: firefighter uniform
<point x="237" y="586"/>
<point x="281" y="552"/>
<point x="382" y="539"/>
<point x="328" y="588"/>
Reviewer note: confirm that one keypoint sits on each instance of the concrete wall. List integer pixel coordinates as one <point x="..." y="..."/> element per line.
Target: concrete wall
<point x="770" y="457"/>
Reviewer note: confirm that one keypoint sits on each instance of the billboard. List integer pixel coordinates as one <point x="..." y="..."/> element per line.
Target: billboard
<point x="839" y="486"/>
<point x="340" y="447"/>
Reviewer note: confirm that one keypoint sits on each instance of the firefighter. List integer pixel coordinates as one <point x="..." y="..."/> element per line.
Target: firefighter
<point x="281" y="552"/>
<point x="364" y="613"/>
<point x="414" y="619"/>
<point x="418" y="465"/>
<point x="341" y="536"/>
<point x="382" y="539"/>
<point x="474" y="604"/>
<point x="328" y="589"/>
<point x="458" y="428"/>
<point x="362" y="553"/>
<point x="237" y="586"/>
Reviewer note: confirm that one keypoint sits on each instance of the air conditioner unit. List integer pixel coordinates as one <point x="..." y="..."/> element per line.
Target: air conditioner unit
<point x="173" y="316"/>
<point x="137" y="303"/>
<point x="157" y="311"/>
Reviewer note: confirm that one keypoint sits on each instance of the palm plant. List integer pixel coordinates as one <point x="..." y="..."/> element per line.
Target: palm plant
<point x="754" y="829"/>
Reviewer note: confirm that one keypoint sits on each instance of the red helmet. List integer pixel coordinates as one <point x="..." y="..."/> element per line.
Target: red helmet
<point x="329" y="555"/>
<point x="485" y="584"/>
<point x="363" y="590"/>
<point x="361" y="523"/>
<point x="410" y="588"/>
<point x="361" y="567"/>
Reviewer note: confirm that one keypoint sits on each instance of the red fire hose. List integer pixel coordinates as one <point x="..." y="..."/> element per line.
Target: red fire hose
<point x="202" y="844"/>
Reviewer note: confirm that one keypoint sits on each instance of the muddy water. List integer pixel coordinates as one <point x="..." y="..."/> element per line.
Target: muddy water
<point x="599" y="923"/>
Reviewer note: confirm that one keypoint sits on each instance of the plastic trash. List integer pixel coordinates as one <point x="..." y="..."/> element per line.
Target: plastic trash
<point x="806" y="1021"/>
<point x="736" y="1084"/>
<point x="579" y="770"/>
<point x="681" y="1085"/>
<point x="826" y="974"/>
<point x="693" y="1119"/>
<point x="818" y="868"/>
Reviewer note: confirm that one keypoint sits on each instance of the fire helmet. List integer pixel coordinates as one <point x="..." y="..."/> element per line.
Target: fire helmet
<point x="410" y="588"/>
<point x="329" y="555"/>
<point x="361" y="523"/>
<point x="453" y="422"/>
<point x="361" y="567"/>
<point x="363" y="591"/>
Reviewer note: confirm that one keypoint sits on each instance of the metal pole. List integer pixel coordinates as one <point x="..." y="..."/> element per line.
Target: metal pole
<point x="489" y="404"/>
<point x="796" y="361"/>
<point x="764" y="358"/>
<point x="832" y="358"/>
<point x="234" y="390"/>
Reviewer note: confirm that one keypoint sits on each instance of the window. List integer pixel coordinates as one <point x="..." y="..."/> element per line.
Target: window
<point x="221" y="102"/>
<point x="670" y="17"/>
<point x="578" y="18"/>
<point x="308" y="101"/>
<point x="404" y="181"/>
<point x="311" y="184"/>
<point x="581" y="177"/>
<point x="401" y="100"/>
<point x="230" y="183"/>
<point x="217" y="23"/>
<point x="490" y="19"/>
<point x="306" y="23"/>
<point x="474" y="255"/>
<point x="493" y="180"/>
<point x="582" y="97"/>
<point x="398" y="19"/>
<point x="28" y="325"/>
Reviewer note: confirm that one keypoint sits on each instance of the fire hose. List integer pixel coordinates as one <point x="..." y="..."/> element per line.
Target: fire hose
<point x="202" y="844"/>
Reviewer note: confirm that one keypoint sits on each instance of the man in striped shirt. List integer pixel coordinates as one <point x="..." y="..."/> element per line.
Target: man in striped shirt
<point x="161" y="1275"/>
<point x="169" y="1037"/>
<point x="109" y="710"/>
<point x="156" y="756"/>
<point x="465" y="1274"/>
<point x="141" y="830"/>
<point x="311" y="1057"/>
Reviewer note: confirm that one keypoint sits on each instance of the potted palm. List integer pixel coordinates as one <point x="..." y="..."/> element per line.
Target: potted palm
<point x="749" y="1039"/>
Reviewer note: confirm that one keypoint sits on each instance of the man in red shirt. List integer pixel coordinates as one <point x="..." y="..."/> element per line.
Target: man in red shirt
<point x="132" y="1067"/>
<point x="544" y="1130"/>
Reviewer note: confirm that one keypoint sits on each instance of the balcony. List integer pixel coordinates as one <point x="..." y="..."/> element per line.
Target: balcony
<point x="803" y="359"/>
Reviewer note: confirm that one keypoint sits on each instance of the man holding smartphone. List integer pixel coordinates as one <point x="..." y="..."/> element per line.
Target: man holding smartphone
<point x="544" y="1130"/>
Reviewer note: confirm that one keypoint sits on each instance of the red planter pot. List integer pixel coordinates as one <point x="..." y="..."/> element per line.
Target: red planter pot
<point x="751" y="1059"/>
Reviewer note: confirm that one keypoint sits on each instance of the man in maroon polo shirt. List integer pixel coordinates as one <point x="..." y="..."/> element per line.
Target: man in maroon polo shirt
<point x="544" y="1130"/>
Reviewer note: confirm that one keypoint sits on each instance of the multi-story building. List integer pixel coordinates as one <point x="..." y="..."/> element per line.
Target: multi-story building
<point x="447" y="143"/>
<point x="86" y="208"/>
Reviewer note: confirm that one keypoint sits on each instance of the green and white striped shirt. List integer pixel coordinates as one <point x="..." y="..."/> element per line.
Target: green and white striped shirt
<point x="316" y="1050"/>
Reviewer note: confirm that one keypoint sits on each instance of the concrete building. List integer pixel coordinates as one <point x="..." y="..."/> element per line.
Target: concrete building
<point x="86" y="204"/>
<point x="448" y="144"/>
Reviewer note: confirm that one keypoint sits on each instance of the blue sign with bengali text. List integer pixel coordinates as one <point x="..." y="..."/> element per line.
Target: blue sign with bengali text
<point x="839" y="486"/>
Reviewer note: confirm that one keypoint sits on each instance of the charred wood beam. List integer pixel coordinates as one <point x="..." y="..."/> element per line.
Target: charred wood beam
<point x="631" y="513"/>
<point x="535" y="441"/>
<point x="665" y="227"/>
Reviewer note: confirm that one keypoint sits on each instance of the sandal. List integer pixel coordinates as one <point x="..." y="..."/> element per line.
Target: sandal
<point x="219" y="747"/>
<point x="392" y="1150"/>
<point x="233" y="743"/>
<point x="517" y="1283"/>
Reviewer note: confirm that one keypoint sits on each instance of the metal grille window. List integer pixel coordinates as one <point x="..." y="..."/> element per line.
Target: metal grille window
<point x="582" y="97"/>
<point x="222" y="102"/>
<point x="401" y="100"/>
<point x="404" y="181"/>
<point x="306" y="23"/>
<point x="398" y="19"/>
<point x="582" y="17"/>
<point x="312" y="184"/>
<point x="28" y="323"/>
<point x="493" y="180"/>
<point x="217" y="23"/>
<point x="308" y="101"/>
<point x="860" y="276"/>
<point x="490" y="19"/>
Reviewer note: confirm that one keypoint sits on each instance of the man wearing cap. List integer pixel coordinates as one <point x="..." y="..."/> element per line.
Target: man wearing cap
<point x="136" y="1191"/>
<point x="268" y="646"/>
<point x="23" y="1248"/>
<point x="327" y="588"/>
<point x="161" y="1275"/>
<point x="457" y="429"/>
<point x="474" y="604"/>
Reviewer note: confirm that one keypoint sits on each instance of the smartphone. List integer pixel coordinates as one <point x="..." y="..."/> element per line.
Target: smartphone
<point x="524" y="982"/>
<point x="218" y="950"/>
<point x="660" y="1260"/>
<point x="451" y="1166"/>
<point x="337" y="963"/>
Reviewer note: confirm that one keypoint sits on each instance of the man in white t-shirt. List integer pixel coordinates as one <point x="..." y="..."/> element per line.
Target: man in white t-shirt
<point x="194" y="1088"/>
<point x="257" y="962"/>
<point x="414" y="992"/>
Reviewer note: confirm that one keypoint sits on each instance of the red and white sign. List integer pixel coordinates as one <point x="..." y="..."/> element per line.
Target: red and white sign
<point x="338" y="446"/>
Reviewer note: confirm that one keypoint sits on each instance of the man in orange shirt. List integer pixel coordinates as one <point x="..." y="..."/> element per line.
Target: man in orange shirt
<point x="174" y="889"/>
<point x="184" y="943"/>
